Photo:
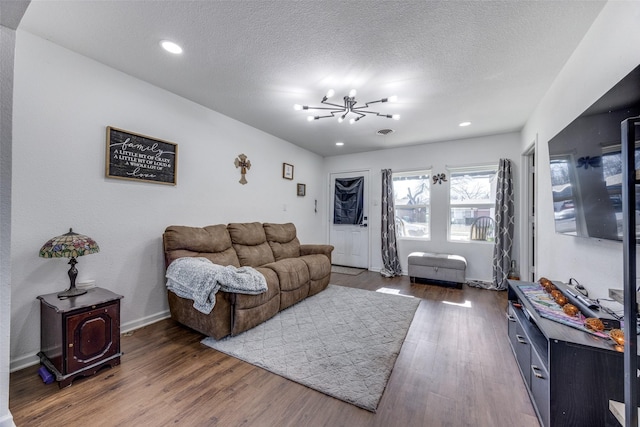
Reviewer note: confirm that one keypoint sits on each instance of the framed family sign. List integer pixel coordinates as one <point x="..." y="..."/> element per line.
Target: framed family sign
<point x="140" y="158"/>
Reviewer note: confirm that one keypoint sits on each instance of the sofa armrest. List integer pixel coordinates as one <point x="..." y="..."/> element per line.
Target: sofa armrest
<point x="316" y="249"/>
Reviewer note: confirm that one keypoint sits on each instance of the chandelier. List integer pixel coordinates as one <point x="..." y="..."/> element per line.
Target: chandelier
<point x="350" y="106"/>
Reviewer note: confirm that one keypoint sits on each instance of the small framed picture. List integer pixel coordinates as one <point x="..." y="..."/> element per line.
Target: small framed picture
<point x="302" y="190"/>
<point x="287" y="171"/>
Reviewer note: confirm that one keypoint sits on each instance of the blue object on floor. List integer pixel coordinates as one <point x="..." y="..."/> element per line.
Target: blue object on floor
<point x="46" y="376"/>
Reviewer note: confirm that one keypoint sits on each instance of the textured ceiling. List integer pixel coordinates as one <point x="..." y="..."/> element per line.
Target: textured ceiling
<point x="488" y="62"/>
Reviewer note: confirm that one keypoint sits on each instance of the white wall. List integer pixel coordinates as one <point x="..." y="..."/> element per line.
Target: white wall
<point x="437" y="156"/>
<point x="63" y="103"/>
<point x="606" y="54"/>
<point x="7" y="42"/>
<point x="10" y="15"/>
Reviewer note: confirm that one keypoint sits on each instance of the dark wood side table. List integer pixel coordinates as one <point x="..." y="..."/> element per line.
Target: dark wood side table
<point x="79" y="335"/>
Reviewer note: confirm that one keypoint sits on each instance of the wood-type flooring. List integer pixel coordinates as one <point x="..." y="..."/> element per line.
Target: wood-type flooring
<point x="455" y="369"/>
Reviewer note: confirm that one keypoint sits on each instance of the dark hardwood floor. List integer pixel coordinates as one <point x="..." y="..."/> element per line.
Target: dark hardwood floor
<point x="455" y="369"/>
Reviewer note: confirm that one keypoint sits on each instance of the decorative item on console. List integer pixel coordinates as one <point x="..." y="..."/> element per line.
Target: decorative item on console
<point x="559" y="297"/>
<point x="596" y="324"/>
<point x="617" y="335"/>
<point x="513" y="271"/>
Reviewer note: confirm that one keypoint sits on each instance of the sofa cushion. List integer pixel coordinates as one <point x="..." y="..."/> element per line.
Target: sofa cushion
<point x="319" y="272"/>
<point x="282" y="240"/>
<point x="247" y="318"/>
<point x="212" y="242"/>
<point x="318" y="265"/>
<point x="251" y="310"/>
<point x="216" y="324"/>
<point x="293" y="273"/>
<point x="243" y="301"/>
<point x="250" y="243"/>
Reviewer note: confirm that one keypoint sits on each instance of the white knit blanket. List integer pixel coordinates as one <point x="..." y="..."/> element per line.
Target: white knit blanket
<point x="199" y="280"/>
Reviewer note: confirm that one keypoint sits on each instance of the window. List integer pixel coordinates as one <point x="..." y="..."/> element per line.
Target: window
<point x="472" y="194"/>
<point x="562" y="177"/>
<point x="412" y="194"/>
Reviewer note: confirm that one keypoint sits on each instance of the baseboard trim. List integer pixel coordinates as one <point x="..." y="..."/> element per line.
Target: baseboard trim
<point x="7" y="421"/>
<point x="144" y="321"/>
<point x="24" y="361"/>
<point x="378" y="269"/>
<point x="31" y="359"/>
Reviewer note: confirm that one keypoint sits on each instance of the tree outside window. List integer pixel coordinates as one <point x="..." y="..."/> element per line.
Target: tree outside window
<point x="412" y="193"/>
<point x="472" y="194"/>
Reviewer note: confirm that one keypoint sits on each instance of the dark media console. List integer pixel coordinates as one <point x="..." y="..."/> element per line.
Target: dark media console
<point x="570" y="374"/>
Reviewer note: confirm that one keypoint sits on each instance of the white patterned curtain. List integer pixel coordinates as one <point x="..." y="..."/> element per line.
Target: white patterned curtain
<point x="504" y="225"/>
<point x="390" y="262"/>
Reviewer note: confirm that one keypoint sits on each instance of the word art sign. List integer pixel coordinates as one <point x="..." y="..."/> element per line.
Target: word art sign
<point x="140" y="158"/>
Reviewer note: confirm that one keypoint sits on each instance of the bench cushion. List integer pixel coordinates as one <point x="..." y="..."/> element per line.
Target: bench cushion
<point x="429" y="259"/>
<point x="439" y="267"/>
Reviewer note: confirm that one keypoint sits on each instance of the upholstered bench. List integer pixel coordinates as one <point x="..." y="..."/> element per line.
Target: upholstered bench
<point x="438" y="267"/>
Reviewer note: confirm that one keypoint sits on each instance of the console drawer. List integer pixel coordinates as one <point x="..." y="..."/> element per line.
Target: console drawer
<point x="540" y="387"/>
<point x="520" y="343"/>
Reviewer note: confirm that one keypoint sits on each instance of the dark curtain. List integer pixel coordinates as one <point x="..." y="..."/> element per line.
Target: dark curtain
<point x="504" y="219"/>
<point x="390" y="260"/>
<point x="348" y="200"/>
<point x="504" y="225"/>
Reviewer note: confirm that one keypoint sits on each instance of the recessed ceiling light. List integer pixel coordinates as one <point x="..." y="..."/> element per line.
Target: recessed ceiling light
<point x="171" y="47"/>
<point x="463" y="124"/>
<point x="339" y="144"/>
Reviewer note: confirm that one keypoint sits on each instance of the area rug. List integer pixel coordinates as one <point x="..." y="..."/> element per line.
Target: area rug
<point x="342" y="342"/>
<point x="346" y="270"/>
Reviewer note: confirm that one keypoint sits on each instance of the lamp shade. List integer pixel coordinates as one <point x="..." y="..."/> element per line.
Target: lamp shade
<point x="69" y="245"/>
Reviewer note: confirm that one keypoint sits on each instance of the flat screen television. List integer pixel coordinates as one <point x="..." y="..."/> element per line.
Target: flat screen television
<point x="586" y="165"/>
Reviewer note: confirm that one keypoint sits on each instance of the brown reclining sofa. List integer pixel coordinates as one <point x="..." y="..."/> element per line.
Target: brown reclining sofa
<point x="292" y="271"/>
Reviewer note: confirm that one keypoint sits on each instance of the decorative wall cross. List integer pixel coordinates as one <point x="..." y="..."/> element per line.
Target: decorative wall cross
<point x="244" y="165"/>
<point x="439" y="178"/>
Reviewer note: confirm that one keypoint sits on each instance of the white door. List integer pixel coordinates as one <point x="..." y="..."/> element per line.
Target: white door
<point x="351" y="240"/>
<point x="530" y="272"/>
